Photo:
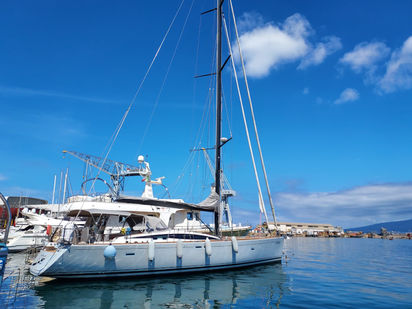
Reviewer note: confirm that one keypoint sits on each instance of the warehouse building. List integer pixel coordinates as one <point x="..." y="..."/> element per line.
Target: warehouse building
<point x="308" y="229"/>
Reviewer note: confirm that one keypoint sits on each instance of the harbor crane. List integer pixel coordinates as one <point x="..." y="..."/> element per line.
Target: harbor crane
<point x="116" y="170"/>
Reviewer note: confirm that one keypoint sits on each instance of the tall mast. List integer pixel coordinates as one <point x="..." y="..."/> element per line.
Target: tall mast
<point x="218" y="107"/>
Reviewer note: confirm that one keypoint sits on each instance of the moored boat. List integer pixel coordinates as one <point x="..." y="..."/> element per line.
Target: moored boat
<point x="142" y="245"/>
<point x="142" y="249"/>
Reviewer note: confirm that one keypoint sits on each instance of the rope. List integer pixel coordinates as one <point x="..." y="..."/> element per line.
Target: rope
<point x="199" y="134"/>
<point x="227" y="111"/>
<point x="164" y="80"/>
<point x="120" y="125"/>
<point x="253" y="117"/>
<point x="261" y="202"/>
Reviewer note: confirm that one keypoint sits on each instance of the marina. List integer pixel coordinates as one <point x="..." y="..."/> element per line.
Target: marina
<point x="323" y="272"/>
<point x="244" y="186"/>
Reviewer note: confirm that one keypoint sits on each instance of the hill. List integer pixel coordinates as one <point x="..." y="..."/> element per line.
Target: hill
<point x="394" y="226"/>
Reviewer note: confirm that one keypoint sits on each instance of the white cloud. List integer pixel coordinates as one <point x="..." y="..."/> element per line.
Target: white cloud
<point x="306" y="90"/>
<point x="347" y="95"/>
<point x="350" y="208"/>
<point x="321" y="51"/>
<point x="265" y="46"/>
<point x="395" y="75"/>
<point x="365" y="56"/>
<point x="2" y="177"/>
<point x="17" y="91"/>
<point x="249" y="21"/>
<point x="399" y="69"/>
<point x="21" y="191"/>
<point x="47" y="127"/>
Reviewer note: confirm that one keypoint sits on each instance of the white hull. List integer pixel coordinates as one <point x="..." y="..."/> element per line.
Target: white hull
<point x="88" y="261"/>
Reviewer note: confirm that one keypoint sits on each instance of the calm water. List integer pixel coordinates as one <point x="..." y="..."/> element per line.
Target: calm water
<point x="332" y="273"/>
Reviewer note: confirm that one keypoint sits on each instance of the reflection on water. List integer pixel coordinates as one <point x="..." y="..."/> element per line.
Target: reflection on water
<point x="317" y="273"/>
<point x="197" y="290"/>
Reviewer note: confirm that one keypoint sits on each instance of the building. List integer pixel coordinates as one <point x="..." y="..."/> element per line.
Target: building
<point x="16" y="204"/>
<point x="307" y="229"/>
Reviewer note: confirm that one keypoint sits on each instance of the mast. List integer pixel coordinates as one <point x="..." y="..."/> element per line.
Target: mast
<point x="218" y="108"/>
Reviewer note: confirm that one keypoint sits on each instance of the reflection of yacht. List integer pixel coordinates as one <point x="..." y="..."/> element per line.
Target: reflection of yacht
<point x="268" y="283"/>
<point x="126" y="255"/>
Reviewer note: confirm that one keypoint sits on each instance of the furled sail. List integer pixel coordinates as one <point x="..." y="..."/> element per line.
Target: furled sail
<point x="211" y="202"/>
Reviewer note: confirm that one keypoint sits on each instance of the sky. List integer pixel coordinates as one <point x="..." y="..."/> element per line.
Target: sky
<point x="331" y="84"/>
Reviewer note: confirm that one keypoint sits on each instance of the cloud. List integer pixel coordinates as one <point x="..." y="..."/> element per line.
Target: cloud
<point x="305" y="90"/>
<point x="323" y="49"/>
<point x="17" y="91"/>
<point x="347" y="95"/>
<point x="2" y="177"/>
<point x="394" y="75"/>
<point x="249" y="21"/>
<point x="46" y="127"/>
<point x="265" y="46"/>
<point x="20" y="191"/>
<point x="398" y="70"/>
<point x="365" y="56"/>
<point x="353" y="207"/>
<point x="245" y="216"/>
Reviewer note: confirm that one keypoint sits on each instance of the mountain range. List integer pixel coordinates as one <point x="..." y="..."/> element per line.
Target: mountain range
<point x="394" y="226"/>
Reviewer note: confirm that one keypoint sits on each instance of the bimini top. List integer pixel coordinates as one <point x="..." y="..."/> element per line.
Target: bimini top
<point x="211" y="203"/>
<point x="149" y="222"/>
<point x="91" y="212"/>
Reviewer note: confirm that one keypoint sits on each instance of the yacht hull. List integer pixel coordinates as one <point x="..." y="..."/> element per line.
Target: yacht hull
<point x="26" y="241"/>
<point x="88" y="261"/>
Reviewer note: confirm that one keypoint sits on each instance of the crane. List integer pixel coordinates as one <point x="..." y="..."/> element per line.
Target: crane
<point x="116" y="170"/>
<point x="225" y="193"/>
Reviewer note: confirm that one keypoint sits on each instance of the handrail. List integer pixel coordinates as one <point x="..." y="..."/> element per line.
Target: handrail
<point x="6" y="232"/>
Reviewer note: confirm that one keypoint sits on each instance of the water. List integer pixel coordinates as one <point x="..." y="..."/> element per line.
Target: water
<point x="315" y="273"/>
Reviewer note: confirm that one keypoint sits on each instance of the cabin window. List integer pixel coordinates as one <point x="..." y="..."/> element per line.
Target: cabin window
<point x="135" y="222"/>
<point x="190" y="216"/>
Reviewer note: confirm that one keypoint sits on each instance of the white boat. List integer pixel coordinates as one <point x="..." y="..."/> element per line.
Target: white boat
<point x="174" y="217"/>
<point x="31" y="231"/>
<point x="140" y="249"/>
<point x="147" y="247"/>
<point x="32" y="236"/>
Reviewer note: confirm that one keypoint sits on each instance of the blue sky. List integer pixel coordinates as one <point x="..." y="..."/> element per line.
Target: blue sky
<point x="331" y="84"/>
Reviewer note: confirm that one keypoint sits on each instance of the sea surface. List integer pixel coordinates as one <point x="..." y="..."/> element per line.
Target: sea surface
<point x="315" y="273"/>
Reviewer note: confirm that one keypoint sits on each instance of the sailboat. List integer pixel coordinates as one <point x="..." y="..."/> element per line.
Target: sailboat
<point x="141" y="244"/>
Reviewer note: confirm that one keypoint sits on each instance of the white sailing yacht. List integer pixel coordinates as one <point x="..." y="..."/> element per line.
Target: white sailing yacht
<point x="145" y="246"/>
